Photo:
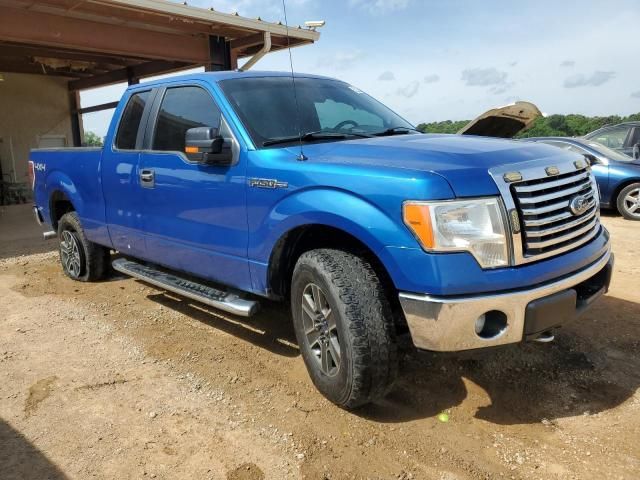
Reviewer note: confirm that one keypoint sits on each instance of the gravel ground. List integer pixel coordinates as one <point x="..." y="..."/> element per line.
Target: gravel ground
<point x="119" y="380"/>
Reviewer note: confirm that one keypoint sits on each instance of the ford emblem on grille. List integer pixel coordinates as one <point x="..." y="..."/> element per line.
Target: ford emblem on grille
<point x="579" y="205"/>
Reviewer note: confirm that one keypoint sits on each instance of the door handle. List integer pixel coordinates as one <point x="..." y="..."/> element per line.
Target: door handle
<point x="147" y="178"/>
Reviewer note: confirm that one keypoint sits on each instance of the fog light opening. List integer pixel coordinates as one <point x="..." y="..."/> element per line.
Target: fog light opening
<point x="491" y="324"/>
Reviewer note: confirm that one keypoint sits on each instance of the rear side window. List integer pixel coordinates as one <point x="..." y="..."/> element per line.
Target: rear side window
<point x="183" y="108"/>
<point x="130" y="122"/>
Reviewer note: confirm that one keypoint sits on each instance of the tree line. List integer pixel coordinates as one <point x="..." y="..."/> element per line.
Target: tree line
<point x="551" y="126"/>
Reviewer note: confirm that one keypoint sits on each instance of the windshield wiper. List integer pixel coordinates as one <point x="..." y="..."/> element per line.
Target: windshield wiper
<point x="396" y="131"/>
<point x="313" y="136"/>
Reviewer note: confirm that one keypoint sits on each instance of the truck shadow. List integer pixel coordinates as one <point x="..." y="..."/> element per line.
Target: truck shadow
<point x="269" y="329"/>
<point x="20" y="460"/>
<point x="591" y="367"/>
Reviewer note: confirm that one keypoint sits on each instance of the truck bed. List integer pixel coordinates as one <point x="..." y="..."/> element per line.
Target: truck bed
<point x="77" y="172"/>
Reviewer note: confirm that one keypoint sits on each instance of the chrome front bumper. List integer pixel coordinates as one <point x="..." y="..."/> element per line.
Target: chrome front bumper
<point x="447" y="324"/>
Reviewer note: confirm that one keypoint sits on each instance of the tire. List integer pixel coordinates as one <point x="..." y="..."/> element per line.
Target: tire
<point x="625" y="202"/>
<point x="354" y="324"/>
<point x="81" y="259"/>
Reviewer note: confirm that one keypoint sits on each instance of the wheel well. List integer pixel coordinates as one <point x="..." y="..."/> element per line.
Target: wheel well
<point x="310" y="237"/>
<point x="619" y="188"/>
<point x="59" y="204"/>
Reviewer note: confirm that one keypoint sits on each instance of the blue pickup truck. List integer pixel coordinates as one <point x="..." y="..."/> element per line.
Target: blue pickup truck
<point x="235" y="186"/>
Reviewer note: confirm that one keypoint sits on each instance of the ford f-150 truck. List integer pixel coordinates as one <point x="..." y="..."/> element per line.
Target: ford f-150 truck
<point x="231" y="186"/>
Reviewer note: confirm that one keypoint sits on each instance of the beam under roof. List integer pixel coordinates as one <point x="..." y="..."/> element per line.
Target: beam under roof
<point x="31" y="27"/>
<point x="138" y="71"/>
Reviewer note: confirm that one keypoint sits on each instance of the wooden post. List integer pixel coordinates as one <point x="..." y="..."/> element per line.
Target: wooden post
<point x="76" y="118"/>
<point x="219" y="55"/>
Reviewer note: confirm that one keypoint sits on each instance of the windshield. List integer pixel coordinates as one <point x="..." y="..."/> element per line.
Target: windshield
<point x="267" y="107"/>
<point x="609" y="153"/>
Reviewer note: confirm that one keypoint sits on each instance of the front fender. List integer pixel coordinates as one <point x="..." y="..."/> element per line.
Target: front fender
<point x="335" y="208"/>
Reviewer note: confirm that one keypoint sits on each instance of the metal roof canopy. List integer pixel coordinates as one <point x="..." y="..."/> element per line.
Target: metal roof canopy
<point x="101" y="42"/>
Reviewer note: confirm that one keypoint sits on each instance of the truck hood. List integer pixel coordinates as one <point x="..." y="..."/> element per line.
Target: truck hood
<point x="463" y="161"/>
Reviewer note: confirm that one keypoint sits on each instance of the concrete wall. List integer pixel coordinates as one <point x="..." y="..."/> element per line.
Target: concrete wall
<point x="31" y="106"/>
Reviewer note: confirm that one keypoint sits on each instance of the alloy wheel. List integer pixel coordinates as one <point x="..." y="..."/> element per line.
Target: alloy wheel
<point x="70" y="254"/>
<point x="319" y="322"/>
<point x="631" y="202"/>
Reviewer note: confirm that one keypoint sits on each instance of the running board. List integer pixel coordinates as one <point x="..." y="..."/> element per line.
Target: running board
<point x="229" y="302"/>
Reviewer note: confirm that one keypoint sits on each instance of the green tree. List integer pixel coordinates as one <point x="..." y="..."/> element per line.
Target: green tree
<point x="92" y="140"/>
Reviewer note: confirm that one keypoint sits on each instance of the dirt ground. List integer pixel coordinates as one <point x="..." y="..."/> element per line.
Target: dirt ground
<point x="119" y="380"/>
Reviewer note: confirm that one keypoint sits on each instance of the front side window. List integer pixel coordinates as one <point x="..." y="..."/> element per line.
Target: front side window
<point x="612" y="138"/>
<point x="130" y="121"/>
<point x="183" y="108"/>
<point x="609" y="153"/>
<point x="267" y="108"/>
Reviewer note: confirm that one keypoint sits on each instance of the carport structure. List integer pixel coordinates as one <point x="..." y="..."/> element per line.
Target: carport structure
<point x="74" y="45"/>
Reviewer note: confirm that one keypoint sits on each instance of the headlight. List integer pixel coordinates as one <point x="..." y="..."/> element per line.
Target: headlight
<point x="474" y="226"/>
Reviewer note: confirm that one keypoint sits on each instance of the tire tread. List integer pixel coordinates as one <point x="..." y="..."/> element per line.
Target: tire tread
<point x="370" y="323"/>
<point x="96" y="256"/>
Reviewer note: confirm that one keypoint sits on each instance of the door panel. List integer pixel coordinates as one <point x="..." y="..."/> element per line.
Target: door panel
<point x="121" y="186"/>
<point x="194" y="214"/>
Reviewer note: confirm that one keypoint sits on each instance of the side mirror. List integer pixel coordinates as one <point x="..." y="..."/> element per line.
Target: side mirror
<point x="592" y="159"/>
<point x="205" y="145"/>
<point x="636" y="151"/>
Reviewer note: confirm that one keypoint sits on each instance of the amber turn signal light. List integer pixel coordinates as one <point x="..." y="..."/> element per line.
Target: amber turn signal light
<point x="418" y="218"/>
<point x="191" y="149"/>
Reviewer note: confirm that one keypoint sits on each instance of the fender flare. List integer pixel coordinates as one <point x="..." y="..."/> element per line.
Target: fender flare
<point x="57" y="181"/>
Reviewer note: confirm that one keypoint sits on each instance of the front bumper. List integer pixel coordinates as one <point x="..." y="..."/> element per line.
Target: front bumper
<point x="447" y="324"/>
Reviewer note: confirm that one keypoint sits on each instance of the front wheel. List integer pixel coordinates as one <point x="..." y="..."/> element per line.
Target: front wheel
<point x="81" y="259"/>
<point x="629" y="202"/>
<point x="344" y="327"/>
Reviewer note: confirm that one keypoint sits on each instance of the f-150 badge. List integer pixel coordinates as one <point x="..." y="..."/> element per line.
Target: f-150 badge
<point x="267" y="183"/>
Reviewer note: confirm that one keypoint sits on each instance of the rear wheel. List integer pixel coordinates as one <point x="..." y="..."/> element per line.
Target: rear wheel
<point x="629" y="202"/>
<point x="81" y="259"/>
<point x="344" y="327"/>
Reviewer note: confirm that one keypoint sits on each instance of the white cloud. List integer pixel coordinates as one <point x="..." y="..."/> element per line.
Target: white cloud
<point x="596" y="79"/>
<point x="409" y="90"/>
<point x="377" y="7"/>
<point x="568" y="63"/>
<point x="635" y="94"/>
<point x="433" y="78"/>
<point x="483" y="77"/>
<point x="490" y="77"/>
<point x="387" y="76"/>
<point x="501" y="88"/>
<point x="341" y="60"/>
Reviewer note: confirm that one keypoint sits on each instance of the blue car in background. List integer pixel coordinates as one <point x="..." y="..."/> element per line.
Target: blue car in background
<point x="623" y="137"/>
<point x="618" y="175"/>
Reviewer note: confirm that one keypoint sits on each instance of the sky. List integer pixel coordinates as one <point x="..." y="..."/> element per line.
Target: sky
<point x="433" y="60"/>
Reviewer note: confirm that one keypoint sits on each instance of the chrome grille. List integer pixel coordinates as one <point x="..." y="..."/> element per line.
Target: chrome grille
<point x="547" y="220"/>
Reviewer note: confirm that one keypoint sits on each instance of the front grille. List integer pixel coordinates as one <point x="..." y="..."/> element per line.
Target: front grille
<point x="547" y="221"/>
